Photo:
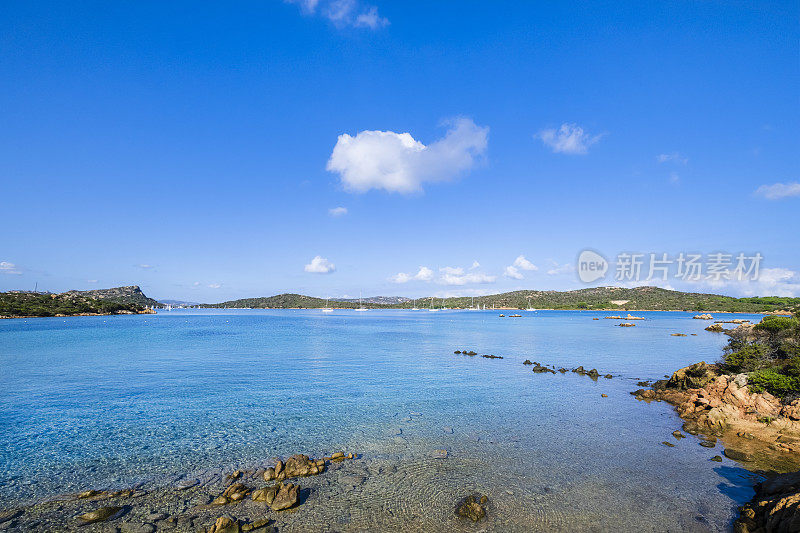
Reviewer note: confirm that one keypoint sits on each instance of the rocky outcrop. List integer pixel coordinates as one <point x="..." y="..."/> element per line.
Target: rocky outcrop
<point x="715" y="328"/>
<point x="704" y="316"/>
<point x="774" y="508"/>
<point x="724" y="406"/>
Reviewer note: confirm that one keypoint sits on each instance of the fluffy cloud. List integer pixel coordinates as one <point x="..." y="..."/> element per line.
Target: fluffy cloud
<point x="396" y="162"/>
<point x="770" y="282"/>
<point x="475" y="265"/>
<point x="9" y="268"/>
<point x="320" y="265"/>
<point x="344" y="12"/>
<point x="513" y="273"/>
<point x="778" y="191"/>
<point x="337" y="211"/>
<point x="568" y="139"/>
<point x="674" y="157"/>
<point x="424" y="274"/>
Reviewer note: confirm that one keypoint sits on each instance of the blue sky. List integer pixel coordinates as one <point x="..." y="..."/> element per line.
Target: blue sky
<point x="198" y="149"/>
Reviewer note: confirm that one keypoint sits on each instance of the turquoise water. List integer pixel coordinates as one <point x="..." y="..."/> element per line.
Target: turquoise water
<point x="111" y="401"/>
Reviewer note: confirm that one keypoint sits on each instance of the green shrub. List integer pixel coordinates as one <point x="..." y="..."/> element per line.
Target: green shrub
<point x="774" y="382"/>
<point x="774" y="324"/>
<point x="748" y="358"/>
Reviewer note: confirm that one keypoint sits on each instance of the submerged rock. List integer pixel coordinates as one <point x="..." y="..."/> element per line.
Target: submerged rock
<point x="472" y="507"/>
<point x="539" y="369"/>
<point x="100" y="515"/>
<point x="717" y="459"/>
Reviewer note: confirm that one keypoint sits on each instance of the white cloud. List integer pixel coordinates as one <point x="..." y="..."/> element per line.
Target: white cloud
<point x="524" y="264"/>
<point x="568" y="139"/>
<point x="674" y="157"/>
<point x="91" y="281"/>
<point x="196" y="284"/>
<point x="778" y="191"/>
<point x="370" y="19"/>
<point x="513" y="273"/>
<point x="320" y="265"/>
<point x="557" y="269"/>
<point x="9" y="268"/>
<point x="424" y="274"/>
<point x="396" y="162"/>
<point x="337" y="211"/>
<point x="674" y="178"/>
<point x="344" y="12"/>
<point x="456" y="276"/>
<point x="770" y="282"/>
<point x="145" y="266"/>
<point x="214" y="285"/>
<point x="475" y="265"/>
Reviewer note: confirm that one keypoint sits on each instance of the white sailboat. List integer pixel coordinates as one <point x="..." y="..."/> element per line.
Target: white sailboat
<point x="431" y="309"/>
<point x="360" y="305"/>
<point x="530" y="307"/>
<point x="415" y="308"/>
<point x="444" y="307"/>
<point x="472" y="305"/>
<point x="327" y="308"/>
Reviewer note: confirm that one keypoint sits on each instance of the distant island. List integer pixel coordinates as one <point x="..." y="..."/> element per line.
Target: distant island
<point x="116" y="301"/>
<point x="597" y="298"/>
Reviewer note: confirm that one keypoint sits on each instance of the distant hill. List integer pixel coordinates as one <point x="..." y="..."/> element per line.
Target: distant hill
<point x="33" y="304"/>
<point x="179" y="303"/>
<point x="131" y="294"/>
<point x="382" y="300"/>
<point x="591" y="298"/>
<point x="284" y="301"/>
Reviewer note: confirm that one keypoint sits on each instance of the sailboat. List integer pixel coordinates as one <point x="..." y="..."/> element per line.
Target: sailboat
<point x="431" y="309"/>
<point x="360" y="305"/>
<point x="327" y="308"/>
<point x="415" y="308"/>
<point x="444" y="307"/>
<point x="530" y="307"/>
<point x="472" y="305"/>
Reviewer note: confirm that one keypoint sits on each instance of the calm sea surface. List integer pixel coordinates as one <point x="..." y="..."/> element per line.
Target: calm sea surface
<point x="105" y="402"/>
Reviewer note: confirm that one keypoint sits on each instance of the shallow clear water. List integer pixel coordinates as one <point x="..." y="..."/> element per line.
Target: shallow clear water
<point x="110" y="401"/>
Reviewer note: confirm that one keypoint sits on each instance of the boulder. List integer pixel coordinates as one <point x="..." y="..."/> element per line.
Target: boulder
<point x="225" y="524"/>
<point x="472" y="507"/>
<point x="286" y="497"/>
<point x="100" y="515"/>
<point x="267" y="494"/>
<point x="695" y="376"/>
<point x="774" y="508"/>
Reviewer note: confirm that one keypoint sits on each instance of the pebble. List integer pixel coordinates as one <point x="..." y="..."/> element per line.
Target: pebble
<point x="439" y="454"/>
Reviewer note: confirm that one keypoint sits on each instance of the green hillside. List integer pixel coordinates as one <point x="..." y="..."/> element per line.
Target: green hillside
<point x="29" y="304"/>
<point x="592" y="298"/>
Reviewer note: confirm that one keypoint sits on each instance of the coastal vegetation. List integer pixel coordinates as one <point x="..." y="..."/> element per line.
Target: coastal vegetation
<point x="770" y="353"/>
<point x="31" y="304"/>
<point x="595" y="298"/>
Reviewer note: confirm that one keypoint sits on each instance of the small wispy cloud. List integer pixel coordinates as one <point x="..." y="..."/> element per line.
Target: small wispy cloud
<point x="91" y="281"/>
<point x="674" y="178"/>
<point x="674" y="157"/>
<point x="9" y="268"/>
<point x="556" y="269"/>
<point x="568" y="139"/>
<point x="343" y="13"/>
<point x="337" y="211"/>
<point x="320" y="265"/>
<point x="457" y="276"/>
<point x="214" y="285"/>
<point x="475" y="265"/>
<point x="145" y="266"/>
<point x="778" y="191"/>
<point x="424" y="274"/>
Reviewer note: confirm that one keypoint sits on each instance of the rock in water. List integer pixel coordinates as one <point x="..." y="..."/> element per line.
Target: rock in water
<point x="100" y="515"/>
<point x="774" y="508"/>
<point x="225" y="524"/>
<point x="286" y="497"/>
<point x="472" y="507"/>
<point x="267" y="494"/>
<point x="695" y="376"/>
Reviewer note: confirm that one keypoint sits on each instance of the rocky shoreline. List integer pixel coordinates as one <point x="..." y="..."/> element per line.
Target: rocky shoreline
<point x="757" y="430"/>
